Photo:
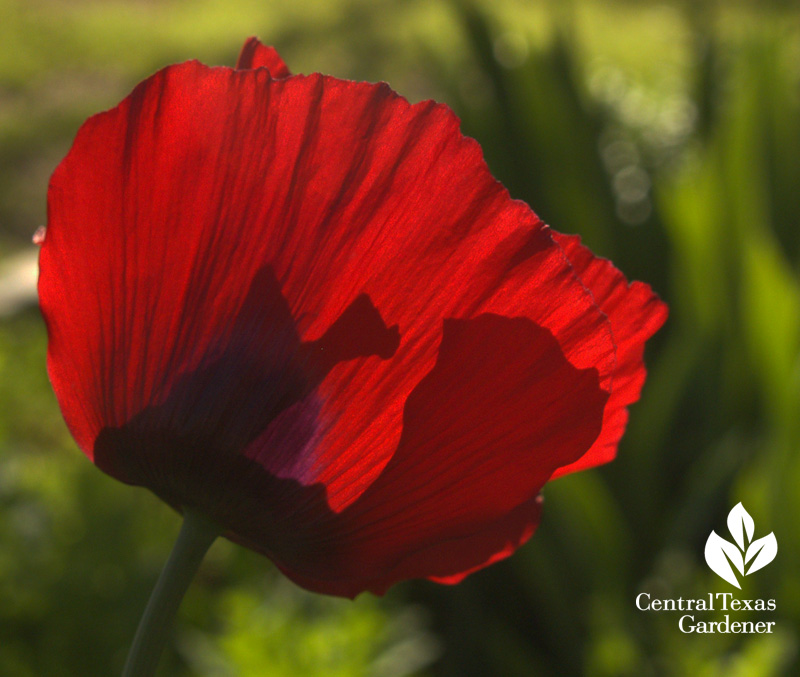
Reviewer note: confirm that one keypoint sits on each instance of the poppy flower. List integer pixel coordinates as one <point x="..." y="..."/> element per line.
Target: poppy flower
<point x="302" y="307"/>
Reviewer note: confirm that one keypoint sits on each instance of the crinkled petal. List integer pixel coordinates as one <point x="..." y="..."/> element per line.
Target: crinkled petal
<point x="635" y="313"/>
<point x="245" y="278"/>
<point x="483" y="431"/>
<point x="256" y="55"/>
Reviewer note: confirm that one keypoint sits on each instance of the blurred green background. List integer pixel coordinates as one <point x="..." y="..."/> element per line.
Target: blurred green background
<point x="668" y="135"/>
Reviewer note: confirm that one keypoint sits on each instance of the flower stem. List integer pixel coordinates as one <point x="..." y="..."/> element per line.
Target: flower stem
<point x="195" y="538"/>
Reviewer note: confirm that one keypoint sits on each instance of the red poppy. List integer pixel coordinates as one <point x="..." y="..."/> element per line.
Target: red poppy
<point x="304" y="308"/>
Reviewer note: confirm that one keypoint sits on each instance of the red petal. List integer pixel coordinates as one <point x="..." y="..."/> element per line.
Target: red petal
<point x="486" y="545"/>
<point x="636" y="313"/>
<point x="245" y="278"/>
<point x="256" y="55"/>
<point x="483" y="431"/>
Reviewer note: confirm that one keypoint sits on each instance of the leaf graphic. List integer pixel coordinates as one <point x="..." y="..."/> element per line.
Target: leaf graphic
<point x="716" y="550"/>
<point x="739" y="522"/>
<point x="764" y="551"/>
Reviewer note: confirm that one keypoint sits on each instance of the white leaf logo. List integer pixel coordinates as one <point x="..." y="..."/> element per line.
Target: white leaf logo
<point x="716" y="550"/>
<point x="764" y="551"/>
<point x="739" y="523"/>
<point x="726" y="558"/>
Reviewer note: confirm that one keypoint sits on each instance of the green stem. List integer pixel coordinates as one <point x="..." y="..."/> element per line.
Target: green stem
<point x="195" y="538"/>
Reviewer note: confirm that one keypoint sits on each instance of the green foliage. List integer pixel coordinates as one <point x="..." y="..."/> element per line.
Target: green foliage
<point x="668" y="136"/>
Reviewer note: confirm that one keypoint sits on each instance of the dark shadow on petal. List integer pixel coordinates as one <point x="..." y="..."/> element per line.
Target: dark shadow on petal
<point x="501" y="409"/>
<point x="191" y="443"/>
<point x="483" y="431"/>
